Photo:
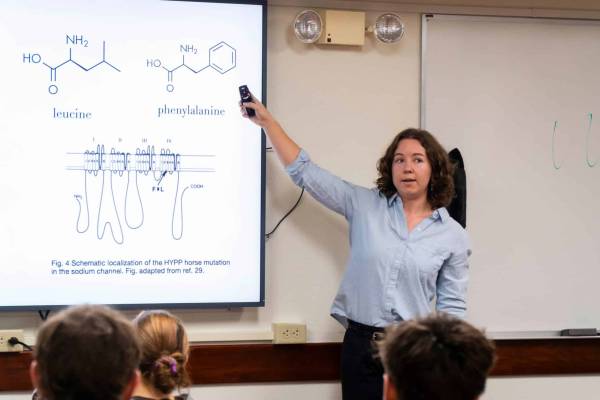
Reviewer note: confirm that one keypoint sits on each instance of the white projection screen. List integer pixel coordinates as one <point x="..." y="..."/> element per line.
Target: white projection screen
<point x="130" y="177"/>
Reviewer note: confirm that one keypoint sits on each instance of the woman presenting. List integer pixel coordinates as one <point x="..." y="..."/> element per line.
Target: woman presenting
<point x="405" y="249"/>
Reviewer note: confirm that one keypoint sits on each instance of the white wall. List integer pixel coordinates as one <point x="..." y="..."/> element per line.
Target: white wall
<point x="343" y="105"/>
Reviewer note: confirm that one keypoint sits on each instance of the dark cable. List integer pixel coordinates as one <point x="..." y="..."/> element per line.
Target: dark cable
<point x="13" y="341"/>
<point x="43" y="314"/>
<point x="268" y="235"/>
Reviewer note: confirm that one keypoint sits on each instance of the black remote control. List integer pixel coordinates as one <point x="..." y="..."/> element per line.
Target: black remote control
<point x="246" y="98"/>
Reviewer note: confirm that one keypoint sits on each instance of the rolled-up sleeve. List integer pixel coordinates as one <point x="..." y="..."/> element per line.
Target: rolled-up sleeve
<point x="452" y="284"/>
<point x="328" y="189"/>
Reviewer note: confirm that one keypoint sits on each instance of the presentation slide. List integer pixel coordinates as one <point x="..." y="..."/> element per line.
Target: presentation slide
<point x="129" y="176"/>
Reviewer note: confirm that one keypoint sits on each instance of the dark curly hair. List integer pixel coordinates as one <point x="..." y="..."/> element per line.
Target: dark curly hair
<point x="441" y="184"/>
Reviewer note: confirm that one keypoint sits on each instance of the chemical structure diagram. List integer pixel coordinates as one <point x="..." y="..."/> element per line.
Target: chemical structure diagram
<point x="143" y="169"/>
<point x="221" y="58"/>
<point x="71" y="40"/>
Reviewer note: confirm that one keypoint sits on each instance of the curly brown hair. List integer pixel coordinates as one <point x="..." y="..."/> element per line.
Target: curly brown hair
<point x="441" y="183"/>
<point x="165" y="350"/>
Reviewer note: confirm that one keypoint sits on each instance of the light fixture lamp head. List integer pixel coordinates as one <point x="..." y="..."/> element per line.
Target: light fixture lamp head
<point x="388" y="28"/>
<point x="308" y="26"/>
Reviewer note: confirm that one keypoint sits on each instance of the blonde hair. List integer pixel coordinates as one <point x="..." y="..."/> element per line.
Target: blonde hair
<point x="165" y="350"/>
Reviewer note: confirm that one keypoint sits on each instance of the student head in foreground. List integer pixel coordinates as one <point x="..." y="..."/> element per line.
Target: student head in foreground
<point x="434" y="358"/>
<point x="165" y="353"/>
<point x="85" y="352"/>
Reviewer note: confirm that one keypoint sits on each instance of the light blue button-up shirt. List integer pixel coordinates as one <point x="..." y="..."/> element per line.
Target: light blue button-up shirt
<point x="392" y="274"/>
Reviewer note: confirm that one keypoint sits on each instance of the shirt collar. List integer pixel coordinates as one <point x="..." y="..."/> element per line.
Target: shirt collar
<point x="392" y="199"/>
<point x="440" y="213"/>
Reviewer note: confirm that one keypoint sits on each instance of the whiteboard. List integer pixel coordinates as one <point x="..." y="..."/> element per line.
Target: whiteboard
<point x="521" y="99"/>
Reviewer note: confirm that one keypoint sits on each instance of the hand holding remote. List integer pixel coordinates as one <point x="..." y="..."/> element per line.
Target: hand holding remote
<point x="254" y="110"/>
<point x="246" y="98"/>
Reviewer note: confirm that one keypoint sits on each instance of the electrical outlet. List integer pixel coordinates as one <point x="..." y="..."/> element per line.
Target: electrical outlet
<point x="7" y="334"/>
<point x="289" y="333"/>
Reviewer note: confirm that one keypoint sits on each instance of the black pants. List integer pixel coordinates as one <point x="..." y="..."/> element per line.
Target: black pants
<point x="362" y="372"/>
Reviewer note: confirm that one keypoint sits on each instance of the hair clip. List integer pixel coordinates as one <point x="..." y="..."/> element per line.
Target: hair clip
<point x="167" y="360"/>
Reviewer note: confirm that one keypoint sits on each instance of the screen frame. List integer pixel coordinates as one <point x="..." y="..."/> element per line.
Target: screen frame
<point x="220" y="305"/>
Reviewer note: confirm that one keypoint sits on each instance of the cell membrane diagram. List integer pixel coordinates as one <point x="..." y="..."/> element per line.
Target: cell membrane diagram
<point x="141" y="172"/>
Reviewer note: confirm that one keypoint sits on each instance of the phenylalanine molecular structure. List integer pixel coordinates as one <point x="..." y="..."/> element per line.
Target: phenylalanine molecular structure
<point x="71" y="40"/>
<point x="221" y="58"/>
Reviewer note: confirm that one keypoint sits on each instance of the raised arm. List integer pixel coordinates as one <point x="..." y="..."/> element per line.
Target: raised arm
<point x="287" y="150"/>
<point x="328" y="189"/>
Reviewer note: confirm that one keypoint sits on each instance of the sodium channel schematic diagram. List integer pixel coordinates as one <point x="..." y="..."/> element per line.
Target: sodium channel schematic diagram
<point x="221" y="58"/>
<point x="73" y="41"/>
<point x="104" y="174"/>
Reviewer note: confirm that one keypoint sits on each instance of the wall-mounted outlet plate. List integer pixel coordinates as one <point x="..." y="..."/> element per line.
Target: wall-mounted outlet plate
<point x="7" y="334"/>
<point x="284" y="333"/>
